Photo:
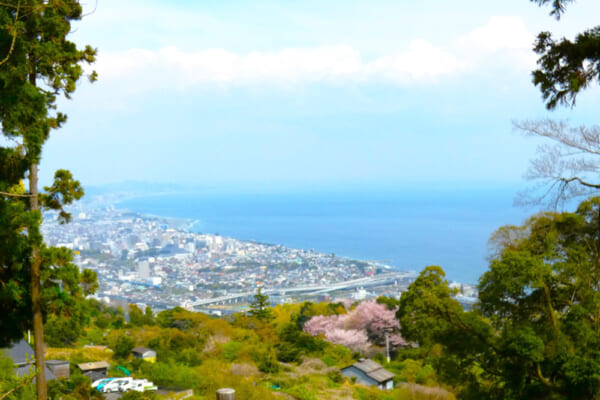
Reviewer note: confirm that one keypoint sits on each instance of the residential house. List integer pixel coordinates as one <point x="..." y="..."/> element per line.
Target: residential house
<point x="145" y="354"/>
<point x="23" y="358"/>
<point x="369" y="373"/>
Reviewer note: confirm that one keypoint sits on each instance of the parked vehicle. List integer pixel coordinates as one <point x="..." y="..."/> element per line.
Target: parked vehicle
<point x="100" y="382"/>
<point x="125" y="384"/>
<point x="114" y="385"/>
<point x="141" y="385"/>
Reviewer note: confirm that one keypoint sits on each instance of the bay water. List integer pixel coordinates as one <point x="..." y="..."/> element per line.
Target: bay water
<point x="407" y="230"/>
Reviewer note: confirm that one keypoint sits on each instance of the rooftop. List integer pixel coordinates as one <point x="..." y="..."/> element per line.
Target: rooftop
<point x="373" y="370"/>
<point x="93" y="365"/>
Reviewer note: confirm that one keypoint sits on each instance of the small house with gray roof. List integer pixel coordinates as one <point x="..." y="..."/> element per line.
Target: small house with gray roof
<point x="369" y="373"/>
<point x="145" y="354"/>
<point x="22" y="355"/>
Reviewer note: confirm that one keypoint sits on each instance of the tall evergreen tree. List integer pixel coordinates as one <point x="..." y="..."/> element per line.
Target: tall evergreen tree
<point x="37" y="65"/>
<point x="260" y="307"/>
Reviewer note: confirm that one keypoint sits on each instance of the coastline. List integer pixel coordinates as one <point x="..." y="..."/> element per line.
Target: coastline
<point x="406" y="232"/>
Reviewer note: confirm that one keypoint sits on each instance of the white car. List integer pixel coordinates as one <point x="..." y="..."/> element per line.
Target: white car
<point x="141" y="385"/>
<point x="114" y="385"/>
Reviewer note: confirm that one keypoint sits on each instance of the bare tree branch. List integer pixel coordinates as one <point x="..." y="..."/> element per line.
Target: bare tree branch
<point x="91" y="12"/>
<point x="566" y="168"/>
<point x="581" y="182"/>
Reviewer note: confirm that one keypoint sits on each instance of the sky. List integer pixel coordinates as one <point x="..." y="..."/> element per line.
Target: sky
<point x="304" y="93"/>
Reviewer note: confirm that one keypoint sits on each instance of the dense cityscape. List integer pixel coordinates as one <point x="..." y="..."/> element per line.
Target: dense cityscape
<point x="160" y="262"/>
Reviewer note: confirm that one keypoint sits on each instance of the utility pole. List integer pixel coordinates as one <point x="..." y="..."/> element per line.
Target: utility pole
<point x="387" y="347"/>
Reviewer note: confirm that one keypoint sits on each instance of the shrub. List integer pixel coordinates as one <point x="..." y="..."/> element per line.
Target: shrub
<point x="123" y="346"/>
<point x="338" y="356"/>
<point x="335" y="376"/>
<point x="287" y="352"/>
<point x="231" y="350"/>
<point x="301" y="392"/>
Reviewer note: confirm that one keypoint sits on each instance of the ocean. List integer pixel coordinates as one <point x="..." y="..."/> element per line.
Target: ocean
<point x="406" y="230"/>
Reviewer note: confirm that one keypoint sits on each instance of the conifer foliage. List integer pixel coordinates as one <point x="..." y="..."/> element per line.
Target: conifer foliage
<point x="260" y="308"/>
<point x="38" y="64"/>
<point x="566" y="66"/>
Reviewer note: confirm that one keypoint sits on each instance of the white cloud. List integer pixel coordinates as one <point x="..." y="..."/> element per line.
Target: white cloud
<point x="173" y="67"/>
<point x="502" y="40"/>
<point x="422" y="62"/>
<point x="500" y="33"/>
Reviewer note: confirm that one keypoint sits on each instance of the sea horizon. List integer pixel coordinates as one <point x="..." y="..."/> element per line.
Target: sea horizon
<point x="407" y="230"/>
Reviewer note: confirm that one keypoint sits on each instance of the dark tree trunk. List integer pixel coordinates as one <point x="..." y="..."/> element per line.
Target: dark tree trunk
<point x="36" y="295"/>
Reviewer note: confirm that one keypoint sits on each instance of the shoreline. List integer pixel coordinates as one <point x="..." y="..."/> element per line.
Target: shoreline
<point x="462" y="255"/>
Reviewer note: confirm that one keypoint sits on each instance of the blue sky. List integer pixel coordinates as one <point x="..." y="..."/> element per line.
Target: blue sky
<point x="304" y="93"/>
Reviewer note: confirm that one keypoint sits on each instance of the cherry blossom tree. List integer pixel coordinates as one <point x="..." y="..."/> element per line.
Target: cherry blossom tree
<point x="354" y="339"/>
<point x="368" y="323"/>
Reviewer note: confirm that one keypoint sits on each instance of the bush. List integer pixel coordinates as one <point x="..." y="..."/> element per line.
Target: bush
<point x="287" y="352"/>
<point x="371" y="393"/>
<point x="417" y="392"/>
<point x="337" y="356"/>
<point x="268" y="365"/>
<point x="335" y="376"/>
<point x="123" y="346"/>
<point x="61" y="331"/>
<point x="301" y="392"/>
<point x="414" y="371"/>
<point x="133" y="395"/>
<point x="231" y="350"/>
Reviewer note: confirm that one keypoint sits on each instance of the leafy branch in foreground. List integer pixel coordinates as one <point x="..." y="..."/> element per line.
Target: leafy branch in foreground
<point x="566" y="67"/>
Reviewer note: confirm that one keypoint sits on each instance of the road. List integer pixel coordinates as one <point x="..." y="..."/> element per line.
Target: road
<point x="316" y="289"/>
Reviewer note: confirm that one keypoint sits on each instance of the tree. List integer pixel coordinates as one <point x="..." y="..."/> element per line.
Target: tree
<point x="566" y="169"/>
<point x="260" y="307"/>
<point x="368" y="323"/>
<point x="566" y="67"/>
<point x="536" y="330"/>
<point x="136" y="317"/>
<point x="148" y="316"/>
<point x="40" y="65"/>
<point x="390" y="302"/>
<point x="123" y="347"/>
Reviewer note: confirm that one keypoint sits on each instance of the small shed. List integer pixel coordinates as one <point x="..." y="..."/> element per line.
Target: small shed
<point x="94" y="370"/>
<point x="145" y="354"/>
<point x="59" y="368"/>
<point x="368" y="372"/>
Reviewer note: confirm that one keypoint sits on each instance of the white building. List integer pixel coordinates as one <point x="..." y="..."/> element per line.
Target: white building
<point x="143" y="270"/>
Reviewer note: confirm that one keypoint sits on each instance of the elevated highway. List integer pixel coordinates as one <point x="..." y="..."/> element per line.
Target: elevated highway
<point x="377" y="280"/>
